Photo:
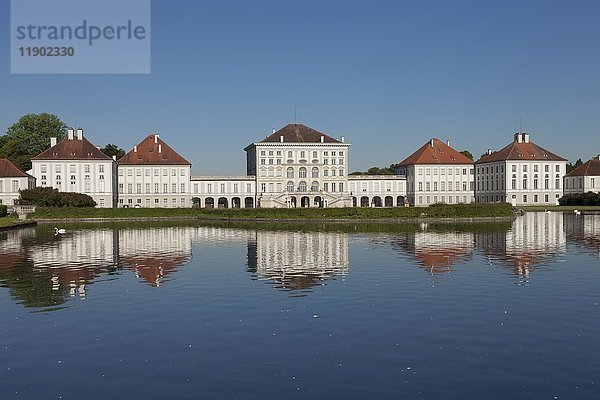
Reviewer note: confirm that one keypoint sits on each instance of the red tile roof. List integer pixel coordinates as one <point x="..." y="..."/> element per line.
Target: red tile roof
<point x="589" y="168"/>
<point x="10" y="170"/>
<point x="298" y="133"/>
<point x="153" y="151"/>
<point x="520" y="151"/>
<point x="435" y="152"/>
<point x="73" y="149"/>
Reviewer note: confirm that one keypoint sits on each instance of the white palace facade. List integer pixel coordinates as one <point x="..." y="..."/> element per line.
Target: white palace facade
<point x="297" y="166"/>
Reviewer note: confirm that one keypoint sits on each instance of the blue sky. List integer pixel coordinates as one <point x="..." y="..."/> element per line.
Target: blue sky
<point x="387" y="75"/>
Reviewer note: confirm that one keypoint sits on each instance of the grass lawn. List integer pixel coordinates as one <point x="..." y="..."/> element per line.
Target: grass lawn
<point x="6" y="222"/>
<point x="442" y="211"/>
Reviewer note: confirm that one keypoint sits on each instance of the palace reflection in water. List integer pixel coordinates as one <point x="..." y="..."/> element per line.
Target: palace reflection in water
<point x="43" y="270"/>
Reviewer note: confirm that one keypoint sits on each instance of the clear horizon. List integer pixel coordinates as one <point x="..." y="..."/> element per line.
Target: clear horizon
<point x="386" y="76"/>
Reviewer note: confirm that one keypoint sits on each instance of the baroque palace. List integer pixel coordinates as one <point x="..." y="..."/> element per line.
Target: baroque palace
<point x="297" y="166"/>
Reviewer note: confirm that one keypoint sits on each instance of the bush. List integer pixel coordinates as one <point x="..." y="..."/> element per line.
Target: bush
<point x="3" y="210"/>
<point x="49" y="197"/>
<point x="580" y="199"/>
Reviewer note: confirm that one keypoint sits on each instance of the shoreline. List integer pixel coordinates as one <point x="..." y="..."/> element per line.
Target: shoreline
<point x="18" y="224"/>
<point x="407" y="220"/>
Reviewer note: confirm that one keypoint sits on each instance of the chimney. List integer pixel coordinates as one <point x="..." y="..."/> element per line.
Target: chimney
<point x="273" y="131"/>
<point x="525" y="137"/>
<point x="597" y="157"/>
<point x="79" y="133"/>
<point x="342" y="139"/>
<point x="156" y="139"/>
<point x="489" y="152"/>
<point x="431" y="142"/>
<point x="160" y="148"/>
<point x="518" y="137"/>
<point x="280" y="138"/>
<point x="322" y="139"/>
<point x="448" y="143"/>
<point x="70" y="133"/>
<point x="52" y="141"/>
<point x="114" y="158"/>
<point x="135" y="149"/>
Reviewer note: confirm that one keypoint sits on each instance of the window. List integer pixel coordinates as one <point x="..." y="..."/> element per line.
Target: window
<point x="546" y="198"/>
<point x="86" y="168"/>
<point x="333" y="187"/>
<point x="222" y="188"/>
<point x="43" y="168"/>
<point x="435" y="185"/>
<point x="156" y="172"/>
<point x="209" y="187"/>
<point x="165" y="172"/>
<point x="420" y="186"/>
<point x="558" y="168"/>
<point x="302" y="154"/>
<point x="173" y="188"/>
<point x="315" y="172"/>
<point x="166" y="188"/>
<point x="302" y="173"/>
<point x="341" y="172"/>
<point x="525" y="168"/>
<point x="314" y="187"/>
<point x="129" y="188"/>
<point x="290" y="186"/>
<point x="536" y="168"/>
<point x="524" y="183"/>
<point x="326" y="187"/>
<point x="120" y="171"/>
<point x="147" y="172"/>
<point x="427" y="186"/>
<point x="290" y="154"/>
<point x="546" y="183"/>
<point x="557" y="183"/>
<point x="290" y="172"/>
<point x="302" y="186"/>
<point x="173" y="173"/>
<point x="72" y="169"/>
<point x="593" y="182"/>
<point x="138" y="188"/>
<point x="120" y="188"/>
<point x="249" y="188"/>
<point x="263" y="187"/>
<point x="147" y="187"/>
<point x="314" y="154"/>
<point x="524" y="198"/>
<point x="514" y="184"/>
<point x="156" y="188"/>
<point x="341" y="187"/>
<point x="535" y="198"/>
<point x="514" y="168"/>
<point x="138" y="172"/>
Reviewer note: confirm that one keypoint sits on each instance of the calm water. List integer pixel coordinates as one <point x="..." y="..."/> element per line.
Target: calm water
<point x="484" y="312"/>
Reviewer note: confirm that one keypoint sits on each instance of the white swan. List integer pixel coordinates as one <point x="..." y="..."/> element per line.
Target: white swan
<point x="59" y="231"/>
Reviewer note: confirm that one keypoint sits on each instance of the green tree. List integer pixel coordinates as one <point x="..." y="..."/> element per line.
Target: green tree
<point x="29" y="137"/>
<point x="113" y="150"/>
<point x="571" y="167"/>
<point x="467" y="154"/>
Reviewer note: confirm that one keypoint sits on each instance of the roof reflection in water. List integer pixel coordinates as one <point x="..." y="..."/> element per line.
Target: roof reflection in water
<point x="436" y="252"/>
<point x="298" y="261"/>
<point x="533" y="241"/>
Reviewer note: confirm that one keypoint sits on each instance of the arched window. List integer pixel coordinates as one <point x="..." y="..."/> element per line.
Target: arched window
<point x="302" y="186"/>
<point x="315" y="172"/>
<point x="279" y="172"/>
<point x="263" y="172"/>
<point x="290" y="186"/>
<point x="290" y="172"/>
<point x="315" y="186"/>
<point x="271" y="172"/>
<point x="302" y="173"/>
